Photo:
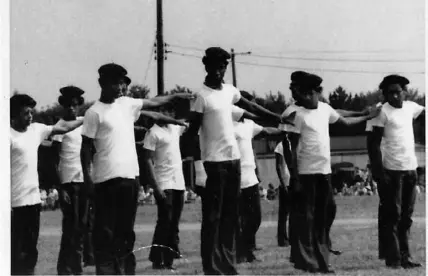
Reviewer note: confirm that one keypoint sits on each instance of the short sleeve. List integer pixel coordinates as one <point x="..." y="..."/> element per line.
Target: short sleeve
<point x="288" y="127"/>
<point x="43" y="130"/>
<point x="416" y="109"/>
<point x="237" y="113"/>
<point x="279" y="149"/>
<point x="58" y="138"/>
<point x="90" y="124"/>
<point x="333" y="115"/>
<point x="298" y="123"/>
<point x="256" y="129"/>
<point x="236" y="96"/>
<point x="381" y="119"/>
<point x="150" y="140"/>
<point x="135" y="105"/>
<point x="198" y="105"/>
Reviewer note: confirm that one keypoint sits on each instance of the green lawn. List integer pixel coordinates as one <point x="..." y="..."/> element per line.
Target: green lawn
<point x="357" y="240"/>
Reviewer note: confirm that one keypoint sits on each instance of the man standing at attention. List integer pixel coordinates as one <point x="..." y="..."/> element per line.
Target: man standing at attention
<point x="310" y="172"/>
<point x="398" y="162"/>
<point x="25" y="139"/>
<point x="219" y="150"/>
<point x="108" y="130"/>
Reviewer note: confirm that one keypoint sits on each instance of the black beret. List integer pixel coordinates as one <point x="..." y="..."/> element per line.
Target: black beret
<point x="215" y="54"/>
<point x="127" y="80"/>
<point x="113" y="71"/>
<point x="71" y="91"/>
<point x="305" y="79"/>
<point x="393" y="79"/>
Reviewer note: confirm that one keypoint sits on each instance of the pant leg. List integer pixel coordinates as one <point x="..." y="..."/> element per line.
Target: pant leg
<point x="88" y="249"/>
<point x="281" y="235"/>
<point x="25" y="226"/>
<point x="124" y="238"/>
<point x="177" y="208"/>
<point x="220" y="217"/>
<point x="407" y="207"/>
<point x="393" y="200"/>
<point x="105" y="220"/>
<point x="242" y="246"/>
<point x="311" y="242"/>
<point x="331" y="215"/>
<point x="252" y="215"/>
<point x="381" y="219"/>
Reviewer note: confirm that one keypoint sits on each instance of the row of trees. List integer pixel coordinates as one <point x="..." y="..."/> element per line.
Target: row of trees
<point x="339" y="98"/>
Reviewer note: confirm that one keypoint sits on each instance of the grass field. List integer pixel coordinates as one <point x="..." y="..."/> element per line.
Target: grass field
<point x="354" y="233"/>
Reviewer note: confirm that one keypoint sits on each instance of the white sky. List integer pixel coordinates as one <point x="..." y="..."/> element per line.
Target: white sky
<point x="60" y="42"/>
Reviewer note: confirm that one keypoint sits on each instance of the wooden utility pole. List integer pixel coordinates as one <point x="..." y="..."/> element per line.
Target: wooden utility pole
<point x="160" y="47"/>
<point x="232" y="58"/>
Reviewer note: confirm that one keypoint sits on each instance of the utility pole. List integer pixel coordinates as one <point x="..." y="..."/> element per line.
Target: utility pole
<point x="160" y="47"/>
<point x="232" y="58"/>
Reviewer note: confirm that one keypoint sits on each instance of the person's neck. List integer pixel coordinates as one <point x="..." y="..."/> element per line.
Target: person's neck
<point x="18" y="127"/>
<point x="106" y="98"/>
<point x="213" y="84"/>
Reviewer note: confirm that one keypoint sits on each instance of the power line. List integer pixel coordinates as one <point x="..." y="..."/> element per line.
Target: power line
<point x="301" y="68"/>
<point x="337" y="59"/>
<point x="186" y="47"/>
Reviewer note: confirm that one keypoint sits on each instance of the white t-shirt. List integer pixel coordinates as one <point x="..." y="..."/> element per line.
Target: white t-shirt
<point x="23" y="154"/>
<point x="280" y="150"/>
<point x="371" y="122"/>
<point x="217" y="137"/>
<point x="244" y="133"/>
<point x="290" y="109"/>
<point x="112" y="128"/>
<point x="313" y="151"/>
<point x="399" y="142"/>
<point x="70" y="166"/>
<point x="168" y="166"/>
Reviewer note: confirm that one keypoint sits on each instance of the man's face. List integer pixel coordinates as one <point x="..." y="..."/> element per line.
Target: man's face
<point x="309" y="98"/>
<point x="216" y="70"/>
<point x="73" y="108"/>
<point x="116" y="88"/>
<point x="395" y="95"/>
<point x="26" y="116"/>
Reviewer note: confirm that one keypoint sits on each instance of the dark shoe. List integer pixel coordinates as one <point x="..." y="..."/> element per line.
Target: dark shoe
<point x="394" y="265"/>
<point x="335" y="252"/>
<point x="158" y="266"/>
<point x="326" y="271"/>
<point x="410" y="264"/>
<point x="170" y="267"/>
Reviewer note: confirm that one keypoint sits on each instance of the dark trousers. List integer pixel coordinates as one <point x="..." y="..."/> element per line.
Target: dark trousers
<point x="220" y="215"/>
<point x="331" y="215"/>
<point x="88" y="248"/>
<point x="114" y="236"/>
<point x="166" y="231"/>
<point x="400" y="196"/>
<point x="74" y="216"/>
<point x="381" y="222"/>
<point x="250" y="218"/>
<point x="25" y="227"/>
<point x="283" y="213"/>
<point x="312" y="252"/>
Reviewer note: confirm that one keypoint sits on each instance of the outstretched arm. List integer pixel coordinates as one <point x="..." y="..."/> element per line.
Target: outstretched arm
<point x="62" y="126"/>
<point x="258" y="110"/>
<point x="163" y="100"/>
<point x="161" y="118"/>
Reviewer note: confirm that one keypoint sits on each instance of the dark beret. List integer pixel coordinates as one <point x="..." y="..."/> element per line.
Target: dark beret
<point x="393" y="79"/>
<point x="112" y="71"/>
<point x="71" y="92"/>
<point x="305" y="79"/>
<point x="215" y="54"/>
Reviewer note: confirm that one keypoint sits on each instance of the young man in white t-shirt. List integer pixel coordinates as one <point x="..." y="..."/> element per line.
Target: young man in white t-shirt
<point x="25" y="139"/>
<point x="73" y="202"/>
<point x="310" y="172"/>
<point x="394" y="127"/>
<point x="250" y="209"/>
<point x="108" y="130"/>
<point x="211" y="112"/>
<point x="162" y="158"/>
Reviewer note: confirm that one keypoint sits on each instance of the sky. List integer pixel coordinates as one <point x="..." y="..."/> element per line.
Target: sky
<point x="54" y="43"/>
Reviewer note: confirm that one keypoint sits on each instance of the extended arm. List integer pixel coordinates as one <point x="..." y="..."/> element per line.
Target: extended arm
<point x="161" y="118"/>
<point x="62" y="126"/>
<point x="163" y="100"/>
<point x="258" y="110"/>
